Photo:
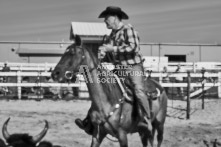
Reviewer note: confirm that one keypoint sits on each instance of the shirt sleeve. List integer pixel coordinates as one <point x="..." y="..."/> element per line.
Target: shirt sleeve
<point x="129" y="41"/>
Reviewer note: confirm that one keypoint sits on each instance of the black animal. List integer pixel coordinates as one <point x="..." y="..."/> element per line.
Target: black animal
<point x="24" y="140"/>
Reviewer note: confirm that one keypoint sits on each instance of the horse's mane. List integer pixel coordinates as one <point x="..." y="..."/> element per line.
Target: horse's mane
<point x="111" y="89"/>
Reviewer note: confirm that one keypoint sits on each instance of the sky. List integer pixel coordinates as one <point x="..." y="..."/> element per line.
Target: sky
<point x="158" y="21"/>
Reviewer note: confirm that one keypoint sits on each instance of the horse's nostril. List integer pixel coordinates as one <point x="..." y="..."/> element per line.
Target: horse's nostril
<point x="57" y="73"/>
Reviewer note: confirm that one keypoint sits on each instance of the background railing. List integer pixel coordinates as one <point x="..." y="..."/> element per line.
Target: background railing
<point x="186" y="66"/>
<point x="28" y="66"/>
<point x="158" y="76"/>
<point x="198" y="78"/>
<point x="154" y="66"/>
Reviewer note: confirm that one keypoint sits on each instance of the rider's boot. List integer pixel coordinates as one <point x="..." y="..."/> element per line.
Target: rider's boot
<point x="85" y="125"/>
<point x="145" y="121"/>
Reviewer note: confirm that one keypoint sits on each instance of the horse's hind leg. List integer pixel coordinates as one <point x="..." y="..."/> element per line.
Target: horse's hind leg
<point x="160" y="131"/>
<point x="122" y="137"/>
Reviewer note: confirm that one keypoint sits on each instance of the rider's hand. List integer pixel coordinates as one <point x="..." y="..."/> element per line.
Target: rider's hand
<point x="101" y="54"/>
<point x="107" y="48"/>
<point x="102" y="49"/>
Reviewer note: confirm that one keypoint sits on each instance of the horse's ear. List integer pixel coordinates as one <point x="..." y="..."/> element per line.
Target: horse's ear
<point x="77" y="39"/>
<point x="105" y="39"/>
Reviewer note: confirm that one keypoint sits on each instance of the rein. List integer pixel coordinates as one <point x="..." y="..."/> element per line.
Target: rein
<point x="119" y="105"/>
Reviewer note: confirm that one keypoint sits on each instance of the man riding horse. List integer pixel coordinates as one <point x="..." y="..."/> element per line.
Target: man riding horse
<point x="123" y="43"/>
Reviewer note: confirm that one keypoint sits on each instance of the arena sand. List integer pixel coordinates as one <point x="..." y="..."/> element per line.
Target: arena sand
<point x="27" y="116"/>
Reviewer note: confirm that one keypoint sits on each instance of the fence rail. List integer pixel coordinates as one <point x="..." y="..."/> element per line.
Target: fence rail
<point x="186" y="66"/>
<point x="28" y="66"/>
<point x="82" y="85"/>
<point x="20" y="74"/>
<point x="154" y="66"/>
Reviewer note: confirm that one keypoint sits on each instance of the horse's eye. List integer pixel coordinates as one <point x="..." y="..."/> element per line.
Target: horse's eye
<point x="72" y="51"/>
<point x="70" y="63"/>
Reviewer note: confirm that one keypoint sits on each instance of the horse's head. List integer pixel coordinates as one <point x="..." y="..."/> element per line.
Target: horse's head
<point x="69" y="64"/>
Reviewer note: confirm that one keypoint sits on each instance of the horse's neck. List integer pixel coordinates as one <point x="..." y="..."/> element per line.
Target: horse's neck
<point x="99" y="97"/>
<point x="95" y="89"/>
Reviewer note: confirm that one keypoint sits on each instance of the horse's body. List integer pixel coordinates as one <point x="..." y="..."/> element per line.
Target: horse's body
<point x="109" y="113"/>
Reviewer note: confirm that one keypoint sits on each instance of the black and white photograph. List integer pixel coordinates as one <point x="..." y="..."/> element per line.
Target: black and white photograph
<point x="110" y="73"/>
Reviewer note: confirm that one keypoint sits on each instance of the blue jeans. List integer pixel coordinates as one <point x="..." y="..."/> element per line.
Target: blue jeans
<point x="136" y="76"/>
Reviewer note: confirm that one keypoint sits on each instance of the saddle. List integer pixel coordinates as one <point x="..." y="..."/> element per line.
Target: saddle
<point x="152" y="89"/>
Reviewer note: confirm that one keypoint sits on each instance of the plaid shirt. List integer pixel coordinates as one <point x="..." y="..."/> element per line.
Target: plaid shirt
<point x="127" y="47"/>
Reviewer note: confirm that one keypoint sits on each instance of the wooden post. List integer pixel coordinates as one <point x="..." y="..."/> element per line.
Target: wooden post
<point x="161" y="78"/>
<point x="46" y="67"/>
<point x="194" y="67"/>
<point x="159" y="58"/>
<point x="203" y="85"/>
<point x="188" y="96"/>
<point x="219" y="84"/>
<point x="19" y="81"/>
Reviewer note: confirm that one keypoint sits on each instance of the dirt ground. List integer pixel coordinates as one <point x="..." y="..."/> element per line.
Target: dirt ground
<point x="29" y="115"/>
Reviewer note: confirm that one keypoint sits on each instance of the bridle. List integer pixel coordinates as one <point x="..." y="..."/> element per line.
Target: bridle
<point x="69" y="74"/>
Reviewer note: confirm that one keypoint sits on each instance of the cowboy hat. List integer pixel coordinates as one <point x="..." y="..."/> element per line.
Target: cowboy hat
<point x="113" y="10"/>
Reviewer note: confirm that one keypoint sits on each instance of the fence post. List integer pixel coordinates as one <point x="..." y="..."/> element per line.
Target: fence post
<point x="46" y="67"/>
<point x="188" y="96"/>
<point x="19" y="81"/>
<point x="161" y="78"/>
<point x="203" y="85"/>
<point x="219" y="84"/>
<point x="194" y="67"/>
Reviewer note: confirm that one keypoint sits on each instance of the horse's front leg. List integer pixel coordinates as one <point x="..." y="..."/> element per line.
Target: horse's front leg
<point x="98" y="136"/>
<point x="122" y="137"/>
